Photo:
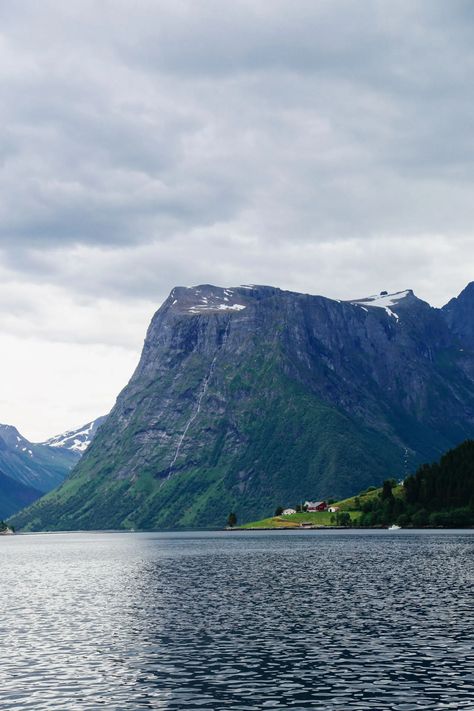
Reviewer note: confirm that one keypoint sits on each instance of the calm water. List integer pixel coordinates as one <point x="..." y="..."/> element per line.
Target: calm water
<point x="303" y="620"/>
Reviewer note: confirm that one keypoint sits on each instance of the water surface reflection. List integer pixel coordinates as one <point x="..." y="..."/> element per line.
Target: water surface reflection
<point x="310" y="620"/>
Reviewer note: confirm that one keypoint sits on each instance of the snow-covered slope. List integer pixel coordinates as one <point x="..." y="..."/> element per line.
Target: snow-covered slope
<point x="76" y="440"/>
<point x="205" y="298"/>
<point x="384" y="300"/>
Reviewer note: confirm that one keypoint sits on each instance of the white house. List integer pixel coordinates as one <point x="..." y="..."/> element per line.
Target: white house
<point x="333" y="509"/>
<point x="288" y="512"/>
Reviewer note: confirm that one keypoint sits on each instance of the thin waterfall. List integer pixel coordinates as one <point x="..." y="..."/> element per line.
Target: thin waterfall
<point x="202" y="392"/>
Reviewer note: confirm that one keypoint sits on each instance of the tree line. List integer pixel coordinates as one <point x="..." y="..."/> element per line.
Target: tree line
<point x="438" y="494"/>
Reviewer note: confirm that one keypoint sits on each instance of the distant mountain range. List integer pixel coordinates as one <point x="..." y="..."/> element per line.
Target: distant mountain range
<point x="249" y="397"/>
<point x="28" y="470"/>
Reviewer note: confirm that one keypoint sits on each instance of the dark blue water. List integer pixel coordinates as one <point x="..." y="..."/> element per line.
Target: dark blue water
<point x="301" y="620"/>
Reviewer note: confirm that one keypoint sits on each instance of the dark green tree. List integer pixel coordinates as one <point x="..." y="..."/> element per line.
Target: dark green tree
<point x="420" y="518"/>
<point x="343" y="518"/>
<point x="403" y="520"/>
<point x="232" y="519"/>
<point x="387" y="489"/>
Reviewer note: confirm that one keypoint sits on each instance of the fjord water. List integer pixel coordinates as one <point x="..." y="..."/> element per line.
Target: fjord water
<point x="282" y="620"/>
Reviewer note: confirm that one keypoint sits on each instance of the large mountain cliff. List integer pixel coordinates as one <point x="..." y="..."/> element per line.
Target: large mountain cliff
<point x="251" y="397"/>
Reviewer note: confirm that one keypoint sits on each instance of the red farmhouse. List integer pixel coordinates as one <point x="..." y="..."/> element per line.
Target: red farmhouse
<point x="315" y="505"/>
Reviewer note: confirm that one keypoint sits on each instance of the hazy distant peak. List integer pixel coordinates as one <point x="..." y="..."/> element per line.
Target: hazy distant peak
<point x="11" y="436"/>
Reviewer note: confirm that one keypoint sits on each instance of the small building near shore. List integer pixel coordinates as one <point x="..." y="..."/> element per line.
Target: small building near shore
<point x="333" y="509"/>
<point x="315" y="505"/>
<point x="288" y="512"/>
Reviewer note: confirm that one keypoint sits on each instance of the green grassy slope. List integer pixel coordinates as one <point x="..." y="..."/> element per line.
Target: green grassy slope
<point x="316" y="518"/>
<point x="352" y="505"/>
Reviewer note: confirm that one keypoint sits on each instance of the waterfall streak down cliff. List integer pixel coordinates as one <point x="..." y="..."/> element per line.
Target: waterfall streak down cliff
<point x="202" y="391"/>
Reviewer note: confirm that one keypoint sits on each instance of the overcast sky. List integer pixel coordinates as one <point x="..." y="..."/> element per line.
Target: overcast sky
<point x="324" y="147"/>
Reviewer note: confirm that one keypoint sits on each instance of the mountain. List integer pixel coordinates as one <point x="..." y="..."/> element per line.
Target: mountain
<point x="459" y="314"/>
<point x="15" y="496"/>
<point x="251" y="397"/>
<point x="34" y="465"/>
<point x="76" y="440"/>
<point x="29" y="470"/>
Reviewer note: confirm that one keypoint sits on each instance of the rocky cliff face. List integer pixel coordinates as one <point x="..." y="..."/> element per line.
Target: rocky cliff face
<point x="459" y="314"/>
<point x="252" y="397"/>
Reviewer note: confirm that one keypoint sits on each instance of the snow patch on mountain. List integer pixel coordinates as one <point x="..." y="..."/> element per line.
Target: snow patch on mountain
<point x="197" y="300"/>
<point x="199" y="308"/>
<point x="76" y="440"/>
<point x="384" y="301"/>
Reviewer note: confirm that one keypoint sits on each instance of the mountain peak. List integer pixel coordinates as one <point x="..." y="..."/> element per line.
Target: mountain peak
<point x="11" y="436"/>
<point x="459" y="315"/>
<point x="467" y="294"/>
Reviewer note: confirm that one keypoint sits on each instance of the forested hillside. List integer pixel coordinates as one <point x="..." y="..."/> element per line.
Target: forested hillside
<point x="438" y="494"/>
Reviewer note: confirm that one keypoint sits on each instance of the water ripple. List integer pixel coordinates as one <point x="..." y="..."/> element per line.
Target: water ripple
<point x="311" y="620"/>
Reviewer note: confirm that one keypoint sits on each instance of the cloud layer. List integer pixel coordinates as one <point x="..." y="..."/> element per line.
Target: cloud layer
<point x="319" y="146"/>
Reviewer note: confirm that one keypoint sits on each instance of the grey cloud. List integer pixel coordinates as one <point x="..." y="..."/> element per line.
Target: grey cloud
<point x="320" y="146"/>
<point x="286" y="124"/>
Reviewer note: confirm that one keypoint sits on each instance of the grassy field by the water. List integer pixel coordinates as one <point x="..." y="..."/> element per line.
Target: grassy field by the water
<point x="318" y="518"/>
<point x="352" y="505"/>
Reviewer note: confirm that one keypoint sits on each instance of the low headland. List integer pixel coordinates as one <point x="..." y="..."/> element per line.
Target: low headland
<point x="438" y="495"/>
<point x="348" y="513"/>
